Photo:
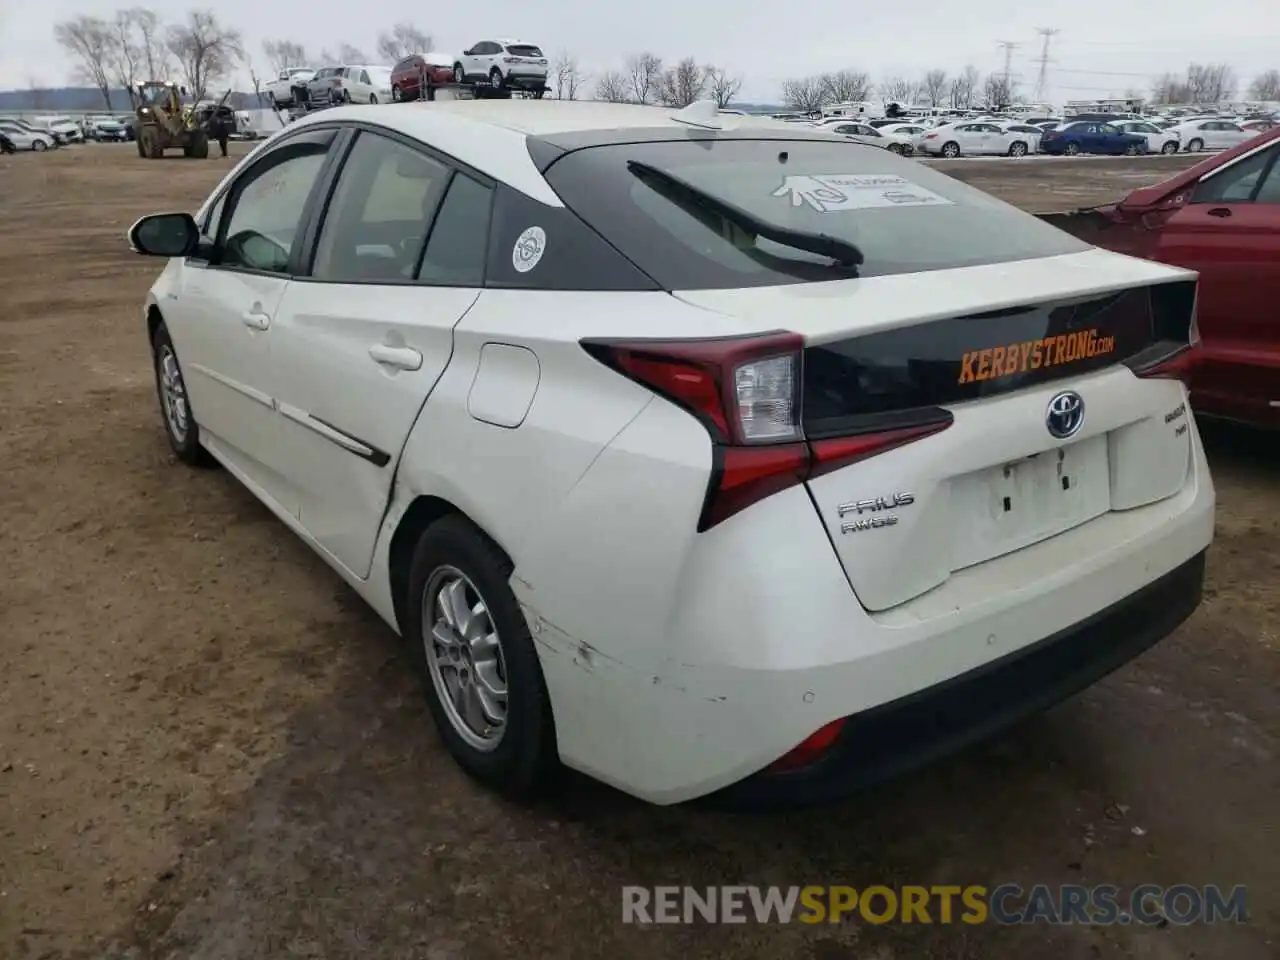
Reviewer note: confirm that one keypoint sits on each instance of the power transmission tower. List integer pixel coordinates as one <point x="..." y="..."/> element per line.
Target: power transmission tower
<point x="1008" y="46"/>
<point x="1046" y="34"/>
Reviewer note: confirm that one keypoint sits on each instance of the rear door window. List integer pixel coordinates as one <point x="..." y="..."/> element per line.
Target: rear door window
<point x="376" y="222"/>
<point x="901" y="216"/>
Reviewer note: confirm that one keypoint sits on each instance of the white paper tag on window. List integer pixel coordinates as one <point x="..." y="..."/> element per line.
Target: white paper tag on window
<point x="836" y="192"/>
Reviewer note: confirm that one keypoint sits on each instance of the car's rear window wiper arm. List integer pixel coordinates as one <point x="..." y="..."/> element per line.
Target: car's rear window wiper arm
<point x="839" y="250"/>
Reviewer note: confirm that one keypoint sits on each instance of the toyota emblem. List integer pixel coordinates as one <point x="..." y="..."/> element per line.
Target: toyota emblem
<point x="1065" y="415"/>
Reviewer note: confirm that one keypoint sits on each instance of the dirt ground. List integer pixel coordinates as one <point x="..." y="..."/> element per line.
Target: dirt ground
<point x="210" y="750"/>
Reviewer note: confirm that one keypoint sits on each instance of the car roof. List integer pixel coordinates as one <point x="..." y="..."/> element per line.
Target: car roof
<point x="495" y="137"/>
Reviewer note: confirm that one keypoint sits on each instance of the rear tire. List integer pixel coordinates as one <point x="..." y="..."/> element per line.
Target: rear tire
<point x="198" y="146"/>
<point x="1131" y="150"/>
<point x="396" y="95"/>
<point x="895" y="148"/>
<point x="495" y="78"/>
<point x="458" y="75"/>
<point x="520" y="758"/>
<point x="39" y="146"/>
<point x="1195" y="146"/>
<point x="951" y="149"/>
<point x="1170" y="148"/>
<point x="1017" y="149"/>
<point x="1072" y="149"/>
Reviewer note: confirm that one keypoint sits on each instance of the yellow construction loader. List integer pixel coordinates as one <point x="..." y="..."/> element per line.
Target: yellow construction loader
<point x="165" y="124"/>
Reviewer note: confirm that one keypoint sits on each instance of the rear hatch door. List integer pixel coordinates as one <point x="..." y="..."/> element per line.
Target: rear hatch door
<point x="983" y="354"/>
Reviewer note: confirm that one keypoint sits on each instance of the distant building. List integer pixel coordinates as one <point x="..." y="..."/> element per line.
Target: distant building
<point x="1074" y="108"/>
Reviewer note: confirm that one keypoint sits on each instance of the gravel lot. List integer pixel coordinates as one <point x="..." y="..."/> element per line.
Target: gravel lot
<point x="210" y="750"/>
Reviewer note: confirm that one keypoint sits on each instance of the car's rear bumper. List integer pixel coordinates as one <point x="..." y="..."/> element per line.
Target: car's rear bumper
<point x="913" y="730"/>
<point x="527" y="81"/>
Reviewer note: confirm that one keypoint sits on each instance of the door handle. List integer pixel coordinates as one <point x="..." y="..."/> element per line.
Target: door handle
<point x="401" y="358"/>
<point x="256" y="319"/>
<point x="1219" y="212"/>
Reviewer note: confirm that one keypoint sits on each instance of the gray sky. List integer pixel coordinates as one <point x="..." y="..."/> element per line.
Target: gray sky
<point x="1104" y="48"/>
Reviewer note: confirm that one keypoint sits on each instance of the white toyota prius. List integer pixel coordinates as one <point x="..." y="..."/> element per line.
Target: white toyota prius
<point x="701" y="454"/>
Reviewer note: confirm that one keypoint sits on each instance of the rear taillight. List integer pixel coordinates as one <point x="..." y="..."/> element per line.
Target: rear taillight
<point x="931" y="136"/>
<point x="747" y="392"/>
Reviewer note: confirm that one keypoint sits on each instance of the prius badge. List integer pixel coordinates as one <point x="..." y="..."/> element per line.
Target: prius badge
<point x="869" y="514"/>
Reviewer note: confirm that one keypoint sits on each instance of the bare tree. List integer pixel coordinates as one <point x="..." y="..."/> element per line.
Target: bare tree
<point x="153" y="54"/>
<point x="722" y="86"/>
<point x="205" y="50"/>
<point x="283" y="54"/>
<point x="963" y="87"/>
<point x="257" y="86"/>
<point x="401" y="40"/>
<point x="125" y="53"/>
<point x="1211" y="82"/>
<point x="1170" y="88"/>
<point x="90" y="41"/>
<point x="1265" y="86"/>
<point x="846" y="86"/>
<point x="347" y="53"/>
<point x="568" y="77"/>
<point x="998" y="90"/>
<point x="682" y="84"/>
<point x="898" y="90"/>
<point x="935" y="87"/>
<point x="613" y="87"/>
<point x="327" y="58"/>
<point x="805" y="94"/>
<point x="644" y="71"/>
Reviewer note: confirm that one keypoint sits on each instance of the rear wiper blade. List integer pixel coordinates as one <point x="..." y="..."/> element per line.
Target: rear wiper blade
<point x="842" y="251"/>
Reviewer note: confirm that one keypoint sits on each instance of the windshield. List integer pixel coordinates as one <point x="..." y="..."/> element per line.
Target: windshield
<point x="901" y="216"/>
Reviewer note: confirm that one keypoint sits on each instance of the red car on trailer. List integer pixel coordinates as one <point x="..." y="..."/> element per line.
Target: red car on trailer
<point x="412" y="73"/>
<point x="1221" y="218"/>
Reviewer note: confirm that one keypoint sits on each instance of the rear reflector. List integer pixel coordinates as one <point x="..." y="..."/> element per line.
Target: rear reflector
<point x="810" y="750"/>
<point x="747" y="392"/>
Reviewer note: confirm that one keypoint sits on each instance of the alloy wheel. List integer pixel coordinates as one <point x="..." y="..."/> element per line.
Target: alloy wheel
<point x="465" y="658"/>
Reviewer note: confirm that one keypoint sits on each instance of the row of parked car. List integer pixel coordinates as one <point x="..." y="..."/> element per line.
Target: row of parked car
<point x="1004" y="136"/>
<point x="506" y="64"/>
<point x="48" y="133"/>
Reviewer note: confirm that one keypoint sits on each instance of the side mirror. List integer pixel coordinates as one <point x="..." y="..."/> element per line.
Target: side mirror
<point x="165" y="235"/>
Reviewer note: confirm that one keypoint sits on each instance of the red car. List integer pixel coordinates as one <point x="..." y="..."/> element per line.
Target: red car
<point x="1221" y="218"/>
<point x="416" y="70"/>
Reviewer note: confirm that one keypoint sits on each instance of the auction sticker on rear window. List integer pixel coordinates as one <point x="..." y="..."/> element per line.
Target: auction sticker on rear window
<point x="835" y="192"/>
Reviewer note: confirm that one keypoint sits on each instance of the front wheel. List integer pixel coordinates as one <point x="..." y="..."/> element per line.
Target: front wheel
<point x="539" y="93"/>
<point x="895" y="148"/>
<point x="396" y="96"/>
<point x="1170" y="147"/>
<point x="495" y="78"/>
<point x="39" y="146"/>
<point x="1073" y="149"/>
<point x="1018" y="149"/>
<point x="373" y="98"/>
<point x="180" y="425"/>
<point x="951" y="149"/>
<point x="471" y="646"/>
<point x="1195" y="146"/>
<point x="1131" y="150"/>
<point x="458" y="75"/>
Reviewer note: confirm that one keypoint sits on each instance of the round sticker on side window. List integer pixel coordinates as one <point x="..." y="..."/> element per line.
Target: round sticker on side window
<point x="528" y="249"/>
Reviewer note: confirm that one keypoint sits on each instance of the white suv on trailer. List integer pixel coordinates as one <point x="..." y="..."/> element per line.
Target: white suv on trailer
<point x="697" y="453"/>
<point x="503" y="64"/>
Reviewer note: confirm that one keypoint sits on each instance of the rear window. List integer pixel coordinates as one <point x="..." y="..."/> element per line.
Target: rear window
<point x="901" y="216"/>
<point x="524" y="50"/>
